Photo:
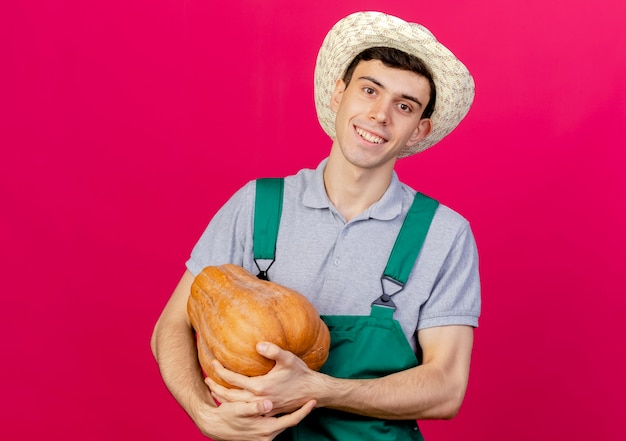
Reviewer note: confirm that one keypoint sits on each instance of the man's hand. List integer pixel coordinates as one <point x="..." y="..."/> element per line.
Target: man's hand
<point x="288" y="386"/>
<point x="433" y="390"/>
<point x="246" y="421"/>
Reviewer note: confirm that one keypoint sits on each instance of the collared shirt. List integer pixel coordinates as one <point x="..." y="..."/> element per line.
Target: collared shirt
<point x="338" y="265"/>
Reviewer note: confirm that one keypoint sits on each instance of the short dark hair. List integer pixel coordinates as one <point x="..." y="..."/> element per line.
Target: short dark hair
<point x="398" y="59"/>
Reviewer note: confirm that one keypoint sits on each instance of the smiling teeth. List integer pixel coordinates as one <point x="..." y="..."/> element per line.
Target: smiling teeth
<point x="369" y="137"/>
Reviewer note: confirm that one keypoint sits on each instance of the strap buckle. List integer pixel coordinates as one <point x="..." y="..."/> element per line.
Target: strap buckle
<point x="263" y="272"/>
<point x="390" y="287"/>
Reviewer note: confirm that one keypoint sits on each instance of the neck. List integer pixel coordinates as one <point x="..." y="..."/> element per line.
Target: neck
<point x="353" y="189"/>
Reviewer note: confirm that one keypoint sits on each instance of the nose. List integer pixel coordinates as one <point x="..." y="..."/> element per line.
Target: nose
<point x="379" y="112"/>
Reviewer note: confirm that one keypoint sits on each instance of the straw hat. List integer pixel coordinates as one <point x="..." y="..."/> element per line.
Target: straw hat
<point x="362" y="30"/>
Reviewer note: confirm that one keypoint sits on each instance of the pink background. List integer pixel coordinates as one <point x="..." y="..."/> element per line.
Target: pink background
<point x="125" y="124"/>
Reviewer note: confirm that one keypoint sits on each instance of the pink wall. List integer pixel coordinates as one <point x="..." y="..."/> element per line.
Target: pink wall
<point x="125" y="124"/>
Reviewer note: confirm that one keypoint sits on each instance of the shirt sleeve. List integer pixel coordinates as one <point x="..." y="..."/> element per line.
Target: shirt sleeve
<point x="455" y="297"/>
<point x="226" y="239"/>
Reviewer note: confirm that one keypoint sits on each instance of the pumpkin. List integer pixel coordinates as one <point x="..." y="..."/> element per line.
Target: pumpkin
<point x="232" y="310"/>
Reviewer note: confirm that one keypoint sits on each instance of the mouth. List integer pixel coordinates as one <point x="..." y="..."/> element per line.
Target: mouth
<point x="369" y="136"/>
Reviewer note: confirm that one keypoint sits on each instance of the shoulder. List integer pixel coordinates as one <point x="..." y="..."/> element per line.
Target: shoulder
<point x="306" y="188"/>
<point x="449" y="219"/>
<point x="448" y="229"/>
<point x="242" y="198"/>
<point x="301" y="180"/>
<point x="445" y="217"/>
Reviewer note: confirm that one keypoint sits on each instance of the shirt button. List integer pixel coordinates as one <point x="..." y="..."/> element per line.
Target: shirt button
<point x="336" y="262"/>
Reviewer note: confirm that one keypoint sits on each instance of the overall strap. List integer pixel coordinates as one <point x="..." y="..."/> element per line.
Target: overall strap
<point x="407" y="247"/>
<point x="268" y="206"/>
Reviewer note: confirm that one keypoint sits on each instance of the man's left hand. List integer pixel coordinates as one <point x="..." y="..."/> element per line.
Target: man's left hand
<point x="288" y="385"/>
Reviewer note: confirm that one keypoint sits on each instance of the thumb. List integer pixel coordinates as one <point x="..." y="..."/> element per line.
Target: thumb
<point x="265" y="406"/>
<point x="253" y="408"/>
<point x="270" y="350"/>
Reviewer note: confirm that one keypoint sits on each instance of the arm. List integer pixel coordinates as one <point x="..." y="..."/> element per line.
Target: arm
<point x="174" y="347"/>
<point x="435" y="389"/>
<point x="432" y="390"/>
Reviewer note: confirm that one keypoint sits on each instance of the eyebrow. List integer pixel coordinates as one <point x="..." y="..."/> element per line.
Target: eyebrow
<point x="379" y="84"/>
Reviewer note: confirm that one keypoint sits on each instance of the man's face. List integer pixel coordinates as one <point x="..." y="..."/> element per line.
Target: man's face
<point x="379" y="113"/>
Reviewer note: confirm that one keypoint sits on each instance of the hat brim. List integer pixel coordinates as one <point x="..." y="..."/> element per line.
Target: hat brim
<point x="362" y="30"/>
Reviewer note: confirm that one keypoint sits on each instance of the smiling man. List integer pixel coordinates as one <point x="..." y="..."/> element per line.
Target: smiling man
<point x="393" y="273"/>
<point x="379" y="112"/>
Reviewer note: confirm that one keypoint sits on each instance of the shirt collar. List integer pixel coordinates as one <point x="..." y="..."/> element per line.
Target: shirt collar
<point x="387" y="207"/>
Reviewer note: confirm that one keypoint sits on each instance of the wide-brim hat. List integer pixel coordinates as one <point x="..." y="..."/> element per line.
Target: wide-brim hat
<point x="362" y="30"/>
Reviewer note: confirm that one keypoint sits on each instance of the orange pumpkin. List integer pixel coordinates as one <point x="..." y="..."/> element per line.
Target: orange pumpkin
<point x="232" y="310"/>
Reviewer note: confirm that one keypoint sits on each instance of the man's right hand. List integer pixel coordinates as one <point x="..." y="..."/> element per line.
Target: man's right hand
<point x="246" y="421"/>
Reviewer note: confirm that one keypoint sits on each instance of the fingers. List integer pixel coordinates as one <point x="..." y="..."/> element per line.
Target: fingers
<point x="229" y="376"/>
<point x="253" y="418"/>
<point x="291" y="419"/>
<point x="255" y="408"/>
<point x="223" y="394"/>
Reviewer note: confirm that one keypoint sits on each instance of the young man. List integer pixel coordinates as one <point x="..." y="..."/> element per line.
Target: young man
<point x="393" y="273"/>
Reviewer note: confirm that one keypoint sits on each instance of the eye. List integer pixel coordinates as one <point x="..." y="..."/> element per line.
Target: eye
<point x="369" y="90"/>
<point x="405" y="107"/>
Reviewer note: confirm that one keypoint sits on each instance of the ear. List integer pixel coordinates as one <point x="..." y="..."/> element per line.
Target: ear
<point x="335" y="99"/>
<point x="422" y="130"/>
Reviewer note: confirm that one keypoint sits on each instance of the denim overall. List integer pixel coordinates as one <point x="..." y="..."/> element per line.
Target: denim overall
<point x="360" y="346"/>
